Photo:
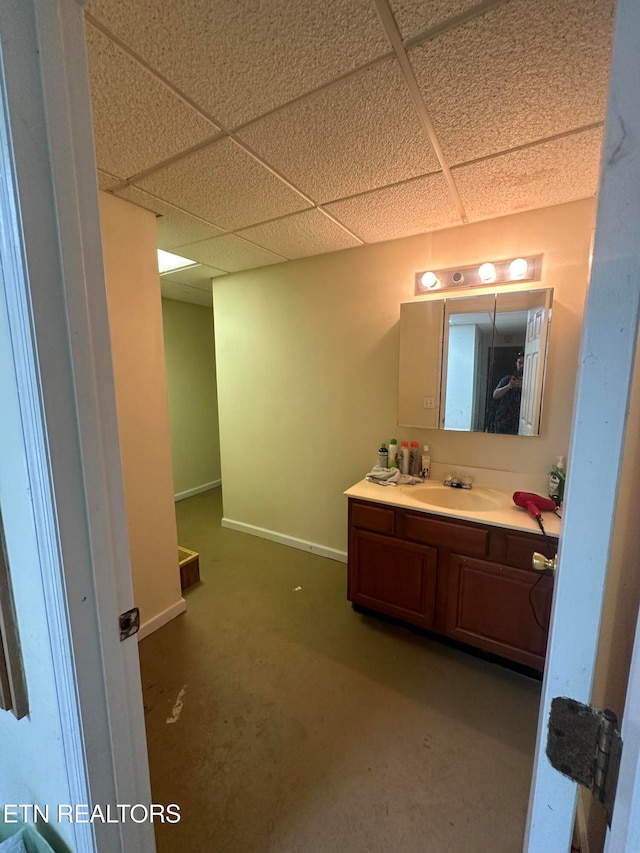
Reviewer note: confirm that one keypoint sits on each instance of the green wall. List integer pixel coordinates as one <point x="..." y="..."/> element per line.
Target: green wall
<point x="193" y="402"/>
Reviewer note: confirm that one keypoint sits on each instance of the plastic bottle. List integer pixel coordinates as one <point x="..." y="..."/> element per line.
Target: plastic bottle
<point x="425" y="463"/>
<point x="557" y="476"/>
<point x="383" y="457"/>
<point x="414" y="459"/>
<point x="403" y="457"/>
<point x="393" y="453"/>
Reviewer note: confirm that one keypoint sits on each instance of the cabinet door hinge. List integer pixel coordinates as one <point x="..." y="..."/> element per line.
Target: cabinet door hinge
<point x="585" y="745"/>
<point x="129" y="623"/>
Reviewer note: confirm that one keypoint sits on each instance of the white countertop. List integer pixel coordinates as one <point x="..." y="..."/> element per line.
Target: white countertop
<point x="507" y="515"/>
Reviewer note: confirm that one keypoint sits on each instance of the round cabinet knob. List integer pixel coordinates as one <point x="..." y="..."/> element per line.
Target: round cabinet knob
<point x="541" y="564"/>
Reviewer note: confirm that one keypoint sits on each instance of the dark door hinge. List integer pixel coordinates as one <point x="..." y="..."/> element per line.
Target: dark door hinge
<point x="129" y="623"/>
<point x="585" y="745"/>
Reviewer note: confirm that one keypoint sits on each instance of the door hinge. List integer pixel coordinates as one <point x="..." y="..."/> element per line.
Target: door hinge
<point x="129" y="623"/>
<point x="585" y="745"/>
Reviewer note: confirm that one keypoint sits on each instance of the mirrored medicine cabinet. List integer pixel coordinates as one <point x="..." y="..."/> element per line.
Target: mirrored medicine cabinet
<point x="475" y="363"/>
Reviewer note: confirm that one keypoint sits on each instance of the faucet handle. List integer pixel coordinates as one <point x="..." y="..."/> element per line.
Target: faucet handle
<point x="466" y="481"/>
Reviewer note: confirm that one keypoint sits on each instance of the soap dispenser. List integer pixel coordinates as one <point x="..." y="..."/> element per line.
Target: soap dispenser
<point x="557" y="476"/>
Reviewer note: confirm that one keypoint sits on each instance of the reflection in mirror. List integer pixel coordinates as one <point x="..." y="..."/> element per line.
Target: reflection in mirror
<point x="460" y="367"/>
<point x="494" y="360"/>
<point x="518" y="362"/>
<point x="468" y="340"/>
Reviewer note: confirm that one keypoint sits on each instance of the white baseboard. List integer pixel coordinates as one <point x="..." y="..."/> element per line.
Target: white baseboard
<point x="283" y="539"/>
<point x="162" y="618"/>
<point x="180" y="496"/>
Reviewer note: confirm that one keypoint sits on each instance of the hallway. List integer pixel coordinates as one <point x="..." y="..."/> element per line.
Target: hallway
<point x="308" y="728"/>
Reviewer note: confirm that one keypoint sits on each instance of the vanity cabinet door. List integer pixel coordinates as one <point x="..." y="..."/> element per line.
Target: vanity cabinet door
<point x="497" y="608"/>
<point x="393" y="577"/>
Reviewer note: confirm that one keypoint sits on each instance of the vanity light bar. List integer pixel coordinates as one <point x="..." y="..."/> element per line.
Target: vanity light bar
<point x="509" y="271"/>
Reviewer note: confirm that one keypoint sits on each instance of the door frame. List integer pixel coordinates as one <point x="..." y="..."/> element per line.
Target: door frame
<point x="55" y="301"/>
<point x="60" y="338"/>
<point x="606" y="365"/>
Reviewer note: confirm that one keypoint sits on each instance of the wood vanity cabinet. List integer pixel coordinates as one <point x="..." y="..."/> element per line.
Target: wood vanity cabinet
<point x="468" y="581"/>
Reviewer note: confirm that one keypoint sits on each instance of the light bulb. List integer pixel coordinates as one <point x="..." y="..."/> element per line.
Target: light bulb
<point x="429" y="280"/>
<point x="487" y="273"/>
<point x="518" y="268"/>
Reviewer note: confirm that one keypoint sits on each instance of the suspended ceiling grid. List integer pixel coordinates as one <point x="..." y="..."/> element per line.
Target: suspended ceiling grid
<point x="259" y="132"/>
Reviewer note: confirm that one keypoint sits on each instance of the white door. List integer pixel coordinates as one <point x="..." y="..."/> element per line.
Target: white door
<point x="605" y="371"/>
<point x="53" y="301"/>
<point x="537" y="320"/>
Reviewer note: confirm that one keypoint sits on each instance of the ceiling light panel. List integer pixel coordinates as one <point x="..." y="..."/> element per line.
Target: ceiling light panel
<point x="345" y="139"/>
<point x="236" y="193"/>
<point x="198" y="276"/>
<point x="554" y="84"/>
<point x="137" y="120"/>
<point x="168" y="262"/>
<point x="532" y="177"/>
<point x="253" y="47"/>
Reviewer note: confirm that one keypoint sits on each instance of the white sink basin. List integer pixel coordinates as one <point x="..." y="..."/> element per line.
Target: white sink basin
<point x="472" y="500"/>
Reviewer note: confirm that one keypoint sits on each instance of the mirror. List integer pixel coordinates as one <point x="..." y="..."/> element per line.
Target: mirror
<point x="489" y="354"/>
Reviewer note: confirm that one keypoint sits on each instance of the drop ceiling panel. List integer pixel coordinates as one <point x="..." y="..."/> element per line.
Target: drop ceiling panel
<point x="532" y="177"/>
<point x="358" y="135"/>
<point x="184" y="293"/>
<point x="521" y="72"/>
<point x="260" y="54"/>
<point x="137" y="121"/>
<point x="301" y="235"/>
<point x="417" y="16"/>
<point x="424" y="204"/>
<point x="174" y="226"/>
<point x="229" y="253"/>
<point x="224" y="185"/>
<point x="106" y="181"/>
<point x="199" y="276"/>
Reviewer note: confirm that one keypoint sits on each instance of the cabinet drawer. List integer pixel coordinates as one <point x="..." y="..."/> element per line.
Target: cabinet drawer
<point x="378" y="519"/>
<point x="445" y="534"/>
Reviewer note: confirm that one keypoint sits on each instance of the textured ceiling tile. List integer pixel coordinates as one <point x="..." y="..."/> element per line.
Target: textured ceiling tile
<point x="177" y="228"/>
<point x="358" y="135"/>
<point x="223" y="184"/>
<point x="137" y="120"/>
<point x="301" y="235"/>
<point x="199" y="276"/>
<point x="183" y="293"/>
<point x="555" y="172"/>
<point x="106" y="181"/>
<point x="174" y="227"/>
<point x="417" y="16"/>
<point x="229" y="253"/>
<point x="424" y="204"/>
<point x="259" y="54"/>
<point x="523" y="71"/>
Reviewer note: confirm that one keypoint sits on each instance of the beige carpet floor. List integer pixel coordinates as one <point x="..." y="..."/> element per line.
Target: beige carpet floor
<point x="308" y="728"/>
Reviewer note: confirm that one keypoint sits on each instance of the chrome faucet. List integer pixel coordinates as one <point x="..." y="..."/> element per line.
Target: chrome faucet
<point x="462" y="482"/>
